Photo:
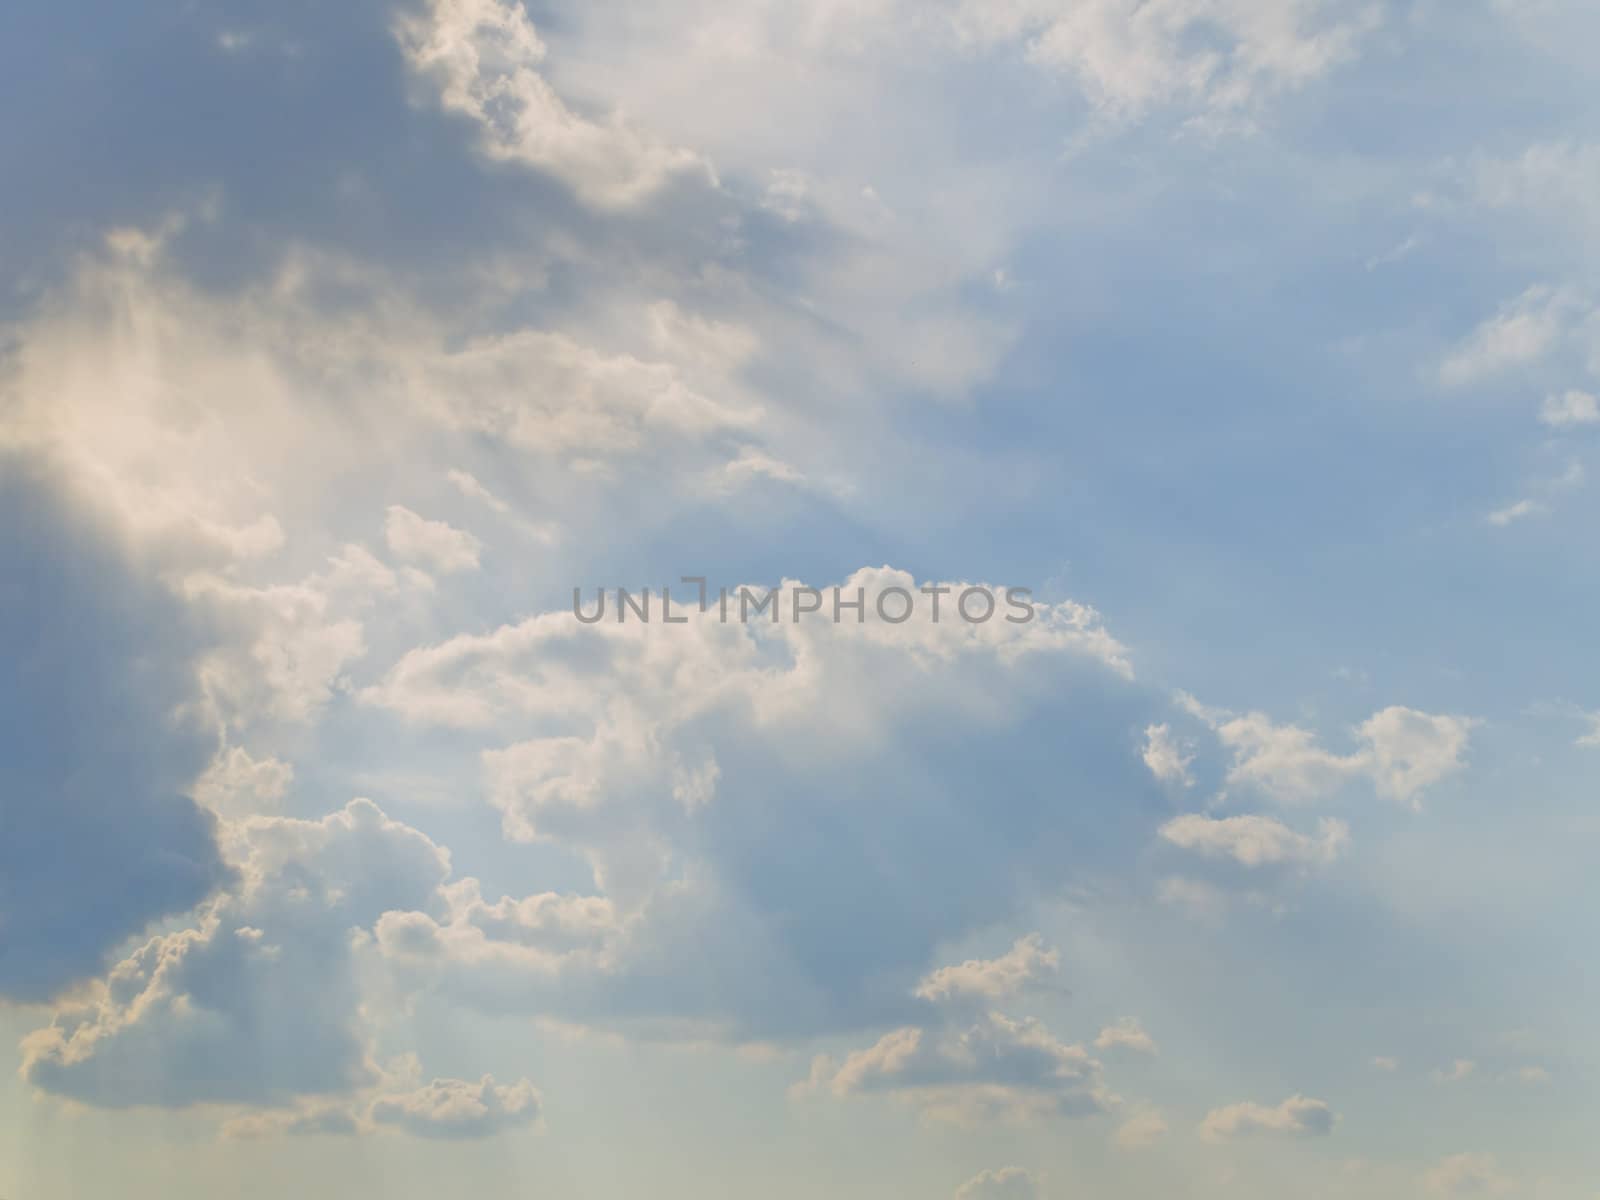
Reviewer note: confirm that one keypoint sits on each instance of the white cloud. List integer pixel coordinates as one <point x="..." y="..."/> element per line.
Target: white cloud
<point x="1523" y="332"/>
<point x="450" y="1109"/>
<point x="455" y="1108"/>
<point x="237" y="785"/>
<point x="548" y="394"/>
<point x="648" y="750"/>
<point x="306" y="1120"/>
<point x="626" y="693"/>
<point x="1298" y="1116"/>
<point x="262" y="989"/>
<point x="1283" y="761"/>
<point x="966" y="1064"/>
<point x="434" y="544"/>
<point x="1255" y="841"/>
<point x="1521" y="509"/>
<point x="484" y="57"/>
<point x="1402" y="753"/>
<point x="290" y="643"/>
<point x="754" y="464"/>
<point x="468" y="485"/>
<point x="1165" y="757"/>
<point x="1221" y="58"/>
<point x="1410" y="751"/>
<point x="1007" y="1183"/>
<point x="1141" y="1130"/>
<point x="1592" y="738"/>
<point x="1126" y="1034"/>
<point x="1025" y="964"/>
<point x="995" y="1068"/>
<point x="1467" y="1175"/>
<point x="1456" y="1072"/>
<point x="1553" y="182"/>
<point x="1568" y="409"/>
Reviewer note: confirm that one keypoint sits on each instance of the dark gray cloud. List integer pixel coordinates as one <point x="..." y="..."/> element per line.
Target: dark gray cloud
<point x="97" y="836"/>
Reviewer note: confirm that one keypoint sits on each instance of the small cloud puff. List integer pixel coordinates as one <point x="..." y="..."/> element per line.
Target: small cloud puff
<point x="432" y="543"/>
<point x="1296" y="1117"/>
<point x="1007" y="1183"/>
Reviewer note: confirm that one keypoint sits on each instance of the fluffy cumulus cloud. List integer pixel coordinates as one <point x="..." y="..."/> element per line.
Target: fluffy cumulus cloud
<point x="991" y="979"/>
<point x="484" y="58"/>
<point x="259" y="1001"/>
<point x="105" y="376"/>
<point x="1400" y="753"/>
<point x="435" y="544"/>
<point x="966" y="1065"/>
<point x="1296" y="1117"/>
<point x="300" y="446"/>
<point x="715" y="765"/>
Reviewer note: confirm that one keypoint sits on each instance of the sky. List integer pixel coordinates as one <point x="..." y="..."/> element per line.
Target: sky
<point x="1242" y="355"/>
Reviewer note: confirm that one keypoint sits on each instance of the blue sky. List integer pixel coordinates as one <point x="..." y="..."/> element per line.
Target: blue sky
<point x="1259" y="341"/>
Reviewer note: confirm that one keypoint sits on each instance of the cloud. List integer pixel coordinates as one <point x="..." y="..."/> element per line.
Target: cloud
<point x="314" y="1120"/>
<point x="1141" y="1130"/>
<point x="1521" y="509"/>
<point x="1255" y="841"/>
<point x="1006" y="1183"/>
<point x="969" y="1064"/>
<point x="446" y="1109"/>
<point x="1553" y="182"/>
<point x="105" y="372"/>
<point x="1467" y="1175"/>
<point x="484" y="58"/>
<point x="1592" y="738"/>
<point x="286" y="646"/>
<point x="454" y="1108"/>
<point x="259" y="1001"/>
<point x="237" y="785"/>
<point x="992" y="1069"/>
<point x="708" y="772"/>
<point x="1296" y="1117"/>
<point x="1402" y="752"/>
<point x="434" y="544"/>
<point x="1126" y="1034"/>
<point x="1217" y="58"/>
<point x="1165" y="757"/>
<point x="548" y="394"/>
<point x="982" y="980"/>
<point x="1456" y="1072"/>
<point x="1568" y="409"/>
<point x="1409" y="751"/>
<point x="101" y="737"/>
<point x="1525" y="331"/>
